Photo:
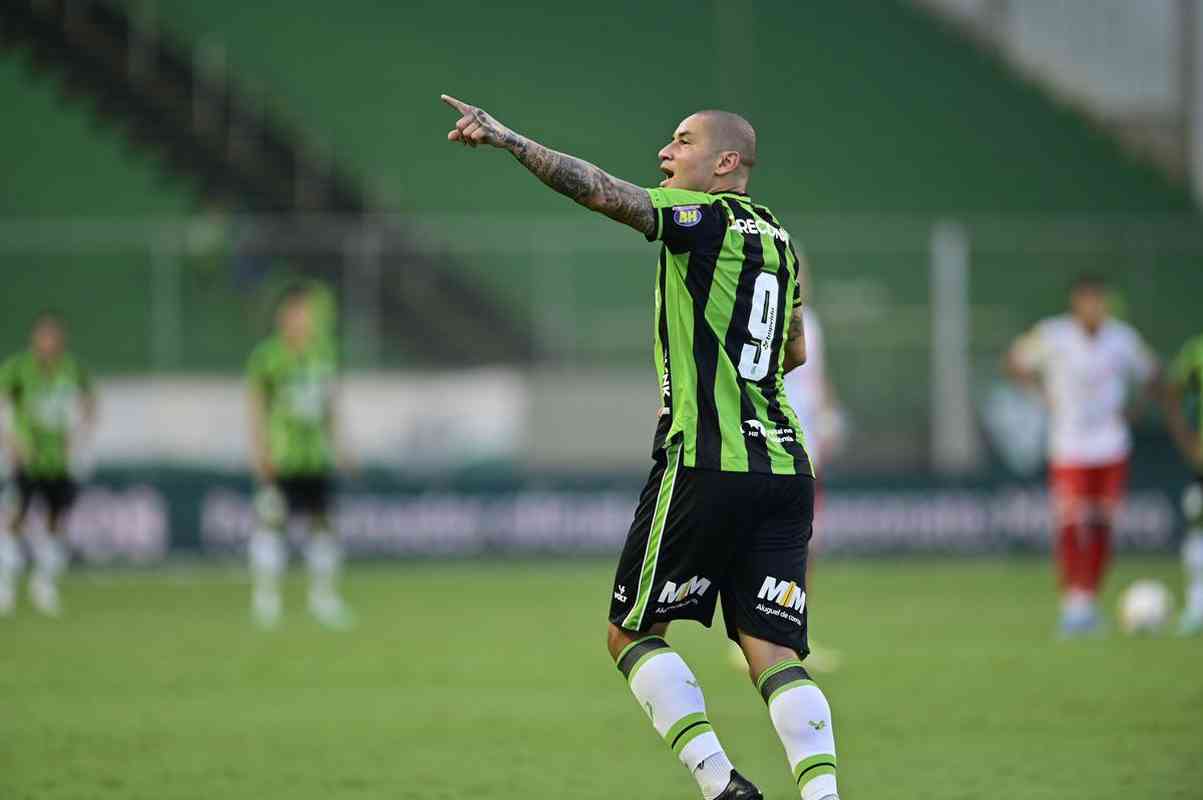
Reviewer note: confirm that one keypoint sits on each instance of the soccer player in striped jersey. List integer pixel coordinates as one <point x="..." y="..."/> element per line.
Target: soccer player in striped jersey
<point x="294" y="450"/>
<point x="728" y="507"/>
<point x="1184" y="413"/>
<point x="52" y="406"/>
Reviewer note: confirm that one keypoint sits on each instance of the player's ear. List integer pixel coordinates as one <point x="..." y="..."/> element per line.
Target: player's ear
<point x="728" y="162"/>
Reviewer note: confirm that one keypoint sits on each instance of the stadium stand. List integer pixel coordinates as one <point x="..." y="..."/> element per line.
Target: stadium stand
<point x="878" y="114"/>
<point x="160" y="95"/>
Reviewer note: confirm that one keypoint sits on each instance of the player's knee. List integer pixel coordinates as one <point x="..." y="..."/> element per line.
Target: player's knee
<point x="617" y="640"/>
<point x="763" y="655"/>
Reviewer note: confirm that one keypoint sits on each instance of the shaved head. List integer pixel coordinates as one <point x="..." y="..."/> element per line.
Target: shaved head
<point x="730" y="131"/>
<point x="711" y="150"/>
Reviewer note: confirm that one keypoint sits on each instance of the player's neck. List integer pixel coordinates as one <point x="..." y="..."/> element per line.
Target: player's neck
<point x="728" y="186"/>
<point x="296" y="344"/>
<point x="1090" y="328"/>
<point x="47" y="362"/>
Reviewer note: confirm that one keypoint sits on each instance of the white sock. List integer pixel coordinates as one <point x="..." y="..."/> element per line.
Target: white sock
<point x="1078" y="603"/>
<point x="12" y="561"/>
<point x="324" y="557"/>
<point x="1192" y="563"/>
<point x="668" y="691"/>
<point x="802" y="718"/>
<point x="268" y="558"/>
<point x="49" y="557"/>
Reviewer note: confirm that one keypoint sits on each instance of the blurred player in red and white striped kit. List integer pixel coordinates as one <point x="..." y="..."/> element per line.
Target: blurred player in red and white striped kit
<point x="1086" y="363"/>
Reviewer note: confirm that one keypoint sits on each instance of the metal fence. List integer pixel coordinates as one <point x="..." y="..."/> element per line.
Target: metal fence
<point x="917" y="310"/>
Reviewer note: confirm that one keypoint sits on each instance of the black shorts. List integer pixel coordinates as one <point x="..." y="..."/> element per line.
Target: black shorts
<point x="58" y="493"/>
<point x="306" y="494"/>
<point x="703" y="534"/>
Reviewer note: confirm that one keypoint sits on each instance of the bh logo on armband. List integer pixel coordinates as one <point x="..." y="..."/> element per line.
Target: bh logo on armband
<point x="687" y="216"/>
<point x="787" y="594"/>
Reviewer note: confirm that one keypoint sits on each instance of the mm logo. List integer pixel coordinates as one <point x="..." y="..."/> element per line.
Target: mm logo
<point x="687" y="216"/>
<point x="784" y="593"/>
<point x="672" y="593"/>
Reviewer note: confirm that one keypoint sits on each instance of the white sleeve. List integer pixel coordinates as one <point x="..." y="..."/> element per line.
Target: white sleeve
<point x="1142" y="363"/>
<point x="813" y="333"/>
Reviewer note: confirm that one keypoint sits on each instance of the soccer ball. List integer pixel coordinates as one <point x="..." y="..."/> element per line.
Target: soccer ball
<point x="1144" y="607"/>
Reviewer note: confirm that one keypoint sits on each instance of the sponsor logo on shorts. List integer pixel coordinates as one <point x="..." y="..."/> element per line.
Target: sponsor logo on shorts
<point x="787" y="594"/>
<point x="620" y="594"/>
<point x="687" y="216"/>
<point x="674" y="593"/>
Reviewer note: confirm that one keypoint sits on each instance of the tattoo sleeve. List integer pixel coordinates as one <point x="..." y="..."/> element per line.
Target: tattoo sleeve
<point x="585" y="183"/>
<point x="795" y="325"/>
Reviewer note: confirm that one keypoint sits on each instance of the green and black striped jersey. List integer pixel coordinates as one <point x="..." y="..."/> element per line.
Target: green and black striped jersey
<point x="725" y="288"/>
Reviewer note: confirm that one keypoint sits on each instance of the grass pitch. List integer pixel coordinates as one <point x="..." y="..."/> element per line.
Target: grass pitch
<point x="479" y="680"/>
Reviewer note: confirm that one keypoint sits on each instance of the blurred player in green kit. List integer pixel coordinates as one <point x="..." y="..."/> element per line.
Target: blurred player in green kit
<point x="51" y="407"/>
<point x="1184" y="413"/>
<point x="294" y="453"/>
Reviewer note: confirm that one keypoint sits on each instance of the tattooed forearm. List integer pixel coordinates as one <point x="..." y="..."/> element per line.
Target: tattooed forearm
<point x="585" y="183"/>
<point x="795" y="341"/>
<point x="795" y="325"/>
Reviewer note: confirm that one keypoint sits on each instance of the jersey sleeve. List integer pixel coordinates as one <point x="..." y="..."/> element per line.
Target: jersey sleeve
<point x="813" y="331"/>
<point x="1189" y="358"/>
<point x="1142" y="363"/>
<point x="803" y="268"/>
<point x="685" y="219"/>
<point x="256" y="368"/>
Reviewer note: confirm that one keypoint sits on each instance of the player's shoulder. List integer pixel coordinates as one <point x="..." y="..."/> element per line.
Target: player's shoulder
<point x="16" y="363"/>
<point x="687" y="218"/>
<point x="323" y="356"/>
<point x="1055" y="327"/>
<point x="11" y="360"/>
<point x="1193" y="347"/>
<point x="74" y="367"/>
<point x="1122" y="332"/>
<point x="1189" y="358"/>
<point x="264" y="354"/>
<point x="665" y="197"/>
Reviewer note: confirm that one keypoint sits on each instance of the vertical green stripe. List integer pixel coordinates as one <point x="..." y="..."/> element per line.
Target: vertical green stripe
<point x="719" y="309"/>
<point x="651" y="553"/>
<point x="679" y="307"/>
